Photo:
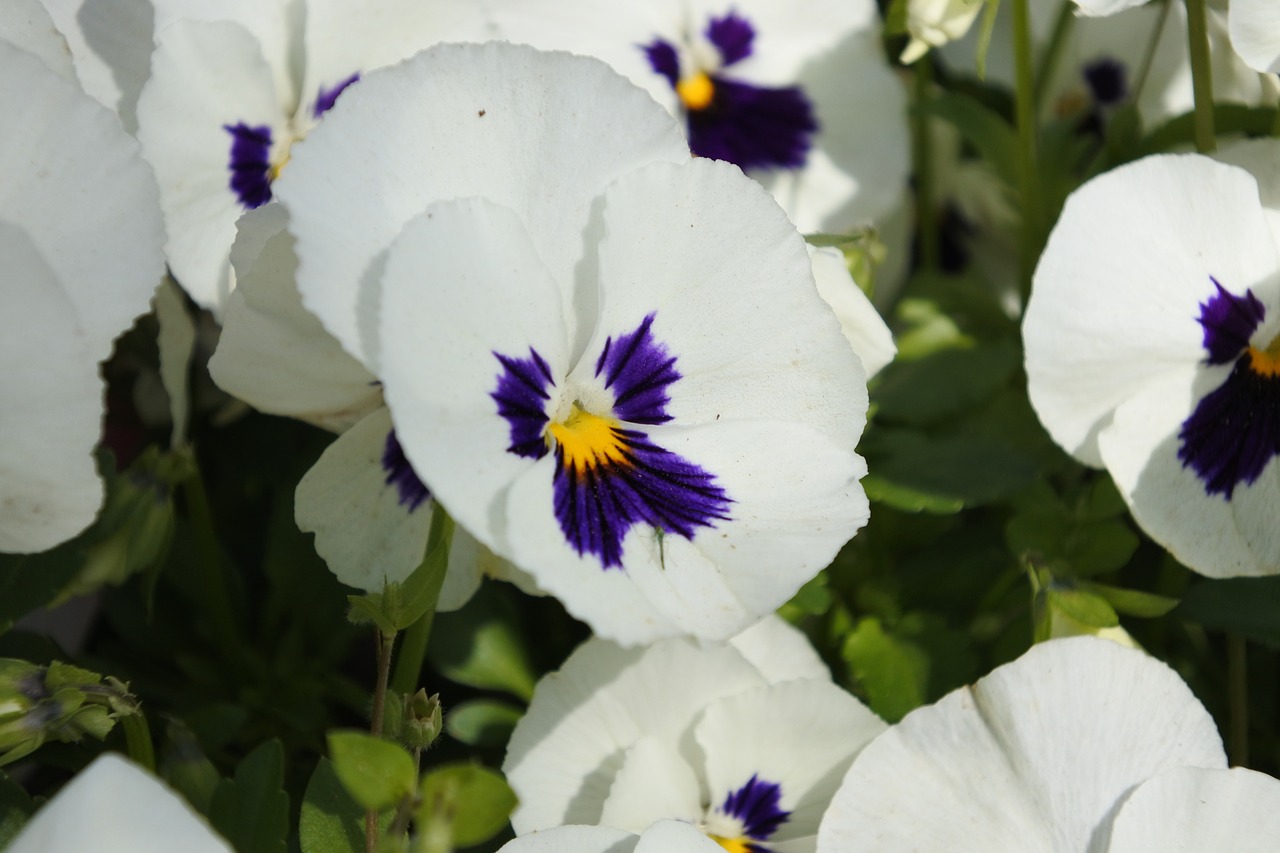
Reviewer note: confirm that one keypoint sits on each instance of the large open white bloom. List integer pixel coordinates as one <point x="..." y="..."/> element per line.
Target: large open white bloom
<point x="114" y="806"/>
<point x="618" y="376"/>
<point x="798" y="95"/>
<point x="1255" y="33"/>
<point x="1038" y="756"/>
<point x="234" y="84"/>
<point x="1151" y="348"/>
<point x="747" y="753"/>
<point x="80" y="237"/>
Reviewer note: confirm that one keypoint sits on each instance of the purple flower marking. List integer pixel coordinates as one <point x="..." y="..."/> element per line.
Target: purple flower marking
<point x="663" y="59"/>
<point x="250" y="163"/>
<point x="521" y="396"/>
<point x="413" y="492"/>
<point x="638" y="370"/>
<point x="1234" y="431"/>
<point x="328" y="97"/>
<point x="732" y="35"/>
<point x="1108" y="80"/>
<point x="757" y="805"/>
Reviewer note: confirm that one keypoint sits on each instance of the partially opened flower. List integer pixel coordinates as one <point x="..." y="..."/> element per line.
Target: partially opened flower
<point x="80" y="237"/>
<point x="233" y="86"/>
<point x="1255" y="33"/>
<point x="627" y="386"/>
<point x="114" y="806"/>
<point x="1151" y="349"/>
<point x="665" y="836"/>
<point x="933" y="23"/>
<point x="1035" y="756"/>
<point x="628" y="737"/>
<point x="798" y="96"/>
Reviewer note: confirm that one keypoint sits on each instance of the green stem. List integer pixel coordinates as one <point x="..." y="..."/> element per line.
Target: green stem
<point x="1028" y="155"/>
<point x="137" y="738"/>
<point x="1053" y="51"/>
<point x="217" y="599"/>
<point x="1238" y="701"/>
<point x="922" y="154"/>
<point x="413" y="649"/>
<point x="386" y="643"/>
<point x="1201" y="75"/>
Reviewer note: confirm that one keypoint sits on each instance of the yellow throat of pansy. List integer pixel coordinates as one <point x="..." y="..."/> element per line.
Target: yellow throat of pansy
<point x="733" y="845"/>
<point x="588" y="441"/>
<point x="696" y="91"/>
<point x="1266" y="362"/>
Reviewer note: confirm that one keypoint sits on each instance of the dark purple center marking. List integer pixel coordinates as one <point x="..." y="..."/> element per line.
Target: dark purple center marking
<point x="413" y="492"/>
<point x="250" y="163"/>
<point x="328" y="97"/>
<point x="608" y="477"/>
<point x="757" y="805"/>
<point x="753" y="127"/>
<point x="1234" y="431"/>
<point x="1108" y="81"/>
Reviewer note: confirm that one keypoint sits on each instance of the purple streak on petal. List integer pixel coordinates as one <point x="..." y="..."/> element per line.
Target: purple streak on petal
<point x="1229" y="321"/>
<point x="328" y="97"/>
<point x="413" y="492"/>
<point x="754" y="127"/>
<point x="757" y="805"/>
<point x="638" y="370"/>
<point x="597" y="507"/>
<point x="663" y="59"/>
<point x="1234" y="430"/>
<point x="250" y="163"/>
<point x="1108" y="81"/>
<point x="521" y="396"/>
<point x="732" y="35"/>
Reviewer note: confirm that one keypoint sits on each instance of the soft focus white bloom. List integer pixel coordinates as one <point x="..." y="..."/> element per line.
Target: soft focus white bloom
<point x="1106" y="7"/>
<point x="627" y="386"/>
<point x="1255" y="33"/>
<point x="234" y="84"/>
<point x="80" y="237"/>
<point x="933" y="23"/>
<point x="1151" y="349"/>
<point x="627" y="737"/>
<point x="1035" y="756"/>
<point x="114" y="806"/>
<point x="796" y="94"/>
<point x="665" y="836"/>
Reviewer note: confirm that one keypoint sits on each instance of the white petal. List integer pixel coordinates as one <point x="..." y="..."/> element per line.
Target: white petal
<point x="574" y="839"/>
<point x="539" y="133"/>
<point x="79" y="188"/>
<point x="1214" y="536"/>
<point x="1194" y="809"/>
<point x="51" y="411"/>
<point x="860" y="323"/>
<point x="1031" y="758"/>
<point x="565" y="751"/>
<point x="1255" y="33"/>
<point x="113" y="806"/>
<point x="653" y="782"/>
<point x="175" y="343"/>
<point x="787" y="37"/>
<point x="204" y="76"/>
<point x="780" y="651"/>
<point x="25" y="24"/>
<point x="111" y="45"/>
<point x="732" y="289"/>
<point x="1261" y="159"/>
<point x="1106" y="7"/>
<point x="273" y="353"/>
<point x="674" y="836"/>
<point x="1116" y="295"/>
<point x="800" y="735"/>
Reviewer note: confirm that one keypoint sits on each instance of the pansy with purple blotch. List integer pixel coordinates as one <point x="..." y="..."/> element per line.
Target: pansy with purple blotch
<point x="757" y="805"/>
<point x="1151" y="341"/>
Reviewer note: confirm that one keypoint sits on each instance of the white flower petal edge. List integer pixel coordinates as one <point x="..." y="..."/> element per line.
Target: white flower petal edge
<point x="25" y="24"/>
<point x="1033" y="757"/>
<point x="860" y="323"/>
<point x="1096" y="8"/>
<point x="111" y="45"/>
<point x="667" y="836"/>
<point x="1195" y="809"/>
<point x="114" y="806"/>
<point x="1255" y="33"/>
<point x="780" y="651"/>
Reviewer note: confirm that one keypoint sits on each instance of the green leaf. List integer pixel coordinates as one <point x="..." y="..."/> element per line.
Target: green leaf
<point x="473" y="801"/>
<point x="895" y="18"/>
<point x="252" y="810"/>
<point x="1133" y="602"/>
<point x="482" y="722"/>
<point x="378" y="774"/>
<point x="331" y="821"/>
<point x="893" y="672"/>
<point x="1083" y="606"/>
<point x="480" y="647"/>
<point x="908" y="499"/>
<point x="987" y="130"/>
<point x="1246" y="606"/>
<point x="941" y="385"/>
<point x="812" y="599"/>
<point x="15" y="808"/>
<point x="969" y="469"/>
<point x="421" y="590"/>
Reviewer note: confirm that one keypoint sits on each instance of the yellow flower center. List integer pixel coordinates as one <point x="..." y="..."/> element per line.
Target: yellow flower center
<point x="277" y="168"/>
<point x="696" y="91"/>
<point x="733" y="845"/>
<point x="588" y="441"/>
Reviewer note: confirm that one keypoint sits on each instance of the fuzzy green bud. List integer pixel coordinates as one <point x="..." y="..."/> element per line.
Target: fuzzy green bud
<point x="423" y="719"/>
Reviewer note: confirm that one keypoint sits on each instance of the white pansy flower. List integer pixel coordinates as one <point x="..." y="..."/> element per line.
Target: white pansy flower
<point x="1151" y="349"/>
<point x="933" y="23"/>
<point x="626" y="738"/>
<point x="1036" y="756"/>
<point x="1255" y="33"/>
<point x="618" y="376"/>
<point x="114" y="806"/>
<point x="798" y="96"/>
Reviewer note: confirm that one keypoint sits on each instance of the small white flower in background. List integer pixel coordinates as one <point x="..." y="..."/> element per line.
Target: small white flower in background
<point x="1255" y="33"/>
<point x="1038" y="756"/>
<point x="933" y="23"/>
<point x="798" y="95"/>
<point x="114" y="806"/>
<point x="1151" y="349"/>
<point x="234" y="84"/>
<point x="609" y="362"/>
<point x="80" y="237"/>
<point x="1099" y="8"/>
<point x="665" y="836"/>
<point x="626" y="738"/>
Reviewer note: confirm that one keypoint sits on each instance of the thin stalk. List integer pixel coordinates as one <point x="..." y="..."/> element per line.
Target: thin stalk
<point x="922" y="151"/>
<point x="1201" y="76"/>
<point x="1238" y="701"/>
<point x="1144" y="70"/>
<point x="385" y="643"/>
<point x="1028" y="154"/>
<point x="137" y="738"/>
<point x="1053" y="51"/>
<point x="217" y="599"/>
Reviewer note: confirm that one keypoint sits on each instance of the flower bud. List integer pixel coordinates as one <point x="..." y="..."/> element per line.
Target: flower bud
<point x="423" y="719"/>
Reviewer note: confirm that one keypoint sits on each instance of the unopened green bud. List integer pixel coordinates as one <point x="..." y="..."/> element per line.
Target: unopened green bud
<point x="423" y="719"/>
